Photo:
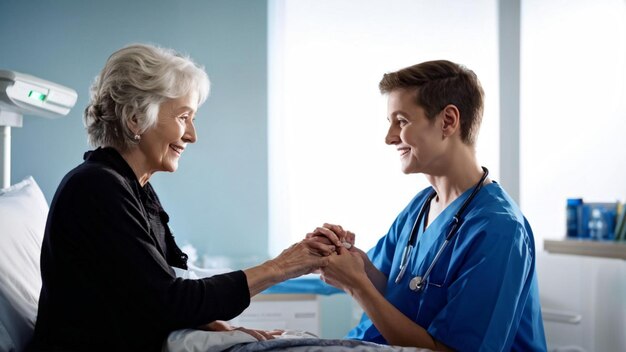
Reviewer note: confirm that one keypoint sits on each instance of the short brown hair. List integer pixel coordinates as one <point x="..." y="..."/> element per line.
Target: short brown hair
<point x="439" y="83"/>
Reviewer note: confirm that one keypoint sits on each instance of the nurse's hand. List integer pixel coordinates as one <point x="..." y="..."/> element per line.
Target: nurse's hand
<point x="345" y="270"/>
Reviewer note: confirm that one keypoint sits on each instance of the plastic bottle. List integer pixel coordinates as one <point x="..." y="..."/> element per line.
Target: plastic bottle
<point x="574" y="217"/>
<point x="598" y="229"/>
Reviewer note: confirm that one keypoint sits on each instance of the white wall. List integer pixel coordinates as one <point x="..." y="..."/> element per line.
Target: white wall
<point x="573" y="107"/>
<point x="573" y="103"/>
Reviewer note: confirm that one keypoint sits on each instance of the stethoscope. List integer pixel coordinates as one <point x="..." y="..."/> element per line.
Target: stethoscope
<point x="417" y="283"/>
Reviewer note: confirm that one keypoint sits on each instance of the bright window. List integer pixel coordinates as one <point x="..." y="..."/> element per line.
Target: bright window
<point x="327" y="158"/>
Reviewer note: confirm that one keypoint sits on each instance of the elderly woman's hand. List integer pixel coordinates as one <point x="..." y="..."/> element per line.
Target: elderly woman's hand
<point x="301" y="258"/>
<point x="260" y="335"/>
<point x="331" y="234"/>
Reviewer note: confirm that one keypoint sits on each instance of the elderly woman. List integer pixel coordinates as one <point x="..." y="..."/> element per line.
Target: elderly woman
<point x="457" y="268"/>
<point x="108" y="253"/>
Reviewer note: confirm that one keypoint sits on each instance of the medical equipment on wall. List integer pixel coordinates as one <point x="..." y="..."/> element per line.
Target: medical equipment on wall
<point x="417" y="283"/>
<point x="22" y="94"/>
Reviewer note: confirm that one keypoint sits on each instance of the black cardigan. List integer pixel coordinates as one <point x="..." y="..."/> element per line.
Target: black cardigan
<point x="106" y="267"/>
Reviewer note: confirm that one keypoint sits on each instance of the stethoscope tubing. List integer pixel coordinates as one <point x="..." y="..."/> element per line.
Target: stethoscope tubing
<point x="456" y="223"/>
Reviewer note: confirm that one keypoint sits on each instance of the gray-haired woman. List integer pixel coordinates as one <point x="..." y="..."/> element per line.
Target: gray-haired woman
<point x="107" y="254"/>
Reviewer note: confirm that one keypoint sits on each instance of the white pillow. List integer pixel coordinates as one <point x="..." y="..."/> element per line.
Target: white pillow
<point x="23" y="212"/>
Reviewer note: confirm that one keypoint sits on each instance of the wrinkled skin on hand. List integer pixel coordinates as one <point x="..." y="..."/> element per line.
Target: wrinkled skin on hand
<point x="346" y="262"/>
<point x="332" y="235"/>
<point x="302" y="258"/>
<point x="260" y="335"/>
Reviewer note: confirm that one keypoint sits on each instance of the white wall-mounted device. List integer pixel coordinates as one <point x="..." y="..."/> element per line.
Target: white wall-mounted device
<point x="22" y="94"/>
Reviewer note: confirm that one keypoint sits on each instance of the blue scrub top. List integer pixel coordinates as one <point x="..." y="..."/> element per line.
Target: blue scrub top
<point x="482" y="293"/>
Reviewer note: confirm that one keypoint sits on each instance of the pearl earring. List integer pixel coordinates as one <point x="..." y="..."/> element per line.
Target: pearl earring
<point x="137" y="137"/>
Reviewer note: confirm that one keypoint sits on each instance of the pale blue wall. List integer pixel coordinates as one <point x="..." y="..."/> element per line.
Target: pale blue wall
<point x="218" y="198"/>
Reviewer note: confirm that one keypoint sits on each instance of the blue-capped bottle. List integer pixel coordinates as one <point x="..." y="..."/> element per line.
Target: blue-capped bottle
<point x="574" y="217"/>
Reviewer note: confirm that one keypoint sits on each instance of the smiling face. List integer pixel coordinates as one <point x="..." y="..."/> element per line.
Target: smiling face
<point x="162" y="145"/>
<point x="417" y="139"/>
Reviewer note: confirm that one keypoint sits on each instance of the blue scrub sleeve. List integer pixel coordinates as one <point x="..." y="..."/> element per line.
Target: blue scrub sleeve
<point x="483" y="299"/>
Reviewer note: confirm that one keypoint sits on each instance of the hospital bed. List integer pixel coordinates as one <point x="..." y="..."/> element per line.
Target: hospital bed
<point x="23" y="212"/>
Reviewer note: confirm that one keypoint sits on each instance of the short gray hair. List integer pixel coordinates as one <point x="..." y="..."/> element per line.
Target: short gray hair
<point x="133" y="83"/>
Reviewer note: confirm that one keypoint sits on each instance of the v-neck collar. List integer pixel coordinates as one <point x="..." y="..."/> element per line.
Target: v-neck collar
<point x="436" y="232"/>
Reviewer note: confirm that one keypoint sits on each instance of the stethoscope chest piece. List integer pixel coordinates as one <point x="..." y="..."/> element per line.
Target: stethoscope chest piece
<point x="416" y="283"/>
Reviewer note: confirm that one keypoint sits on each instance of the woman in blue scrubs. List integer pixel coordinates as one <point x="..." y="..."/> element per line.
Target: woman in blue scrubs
<point x="468" y="282"/>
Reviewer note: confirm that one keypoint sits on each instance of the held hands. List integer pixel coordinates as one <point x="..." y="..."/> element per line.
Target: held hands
<point x="346" y="266"/>
<point x="334" y="235"/>
<point x="301" y="258"/>
<point x="345" y="270"/>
